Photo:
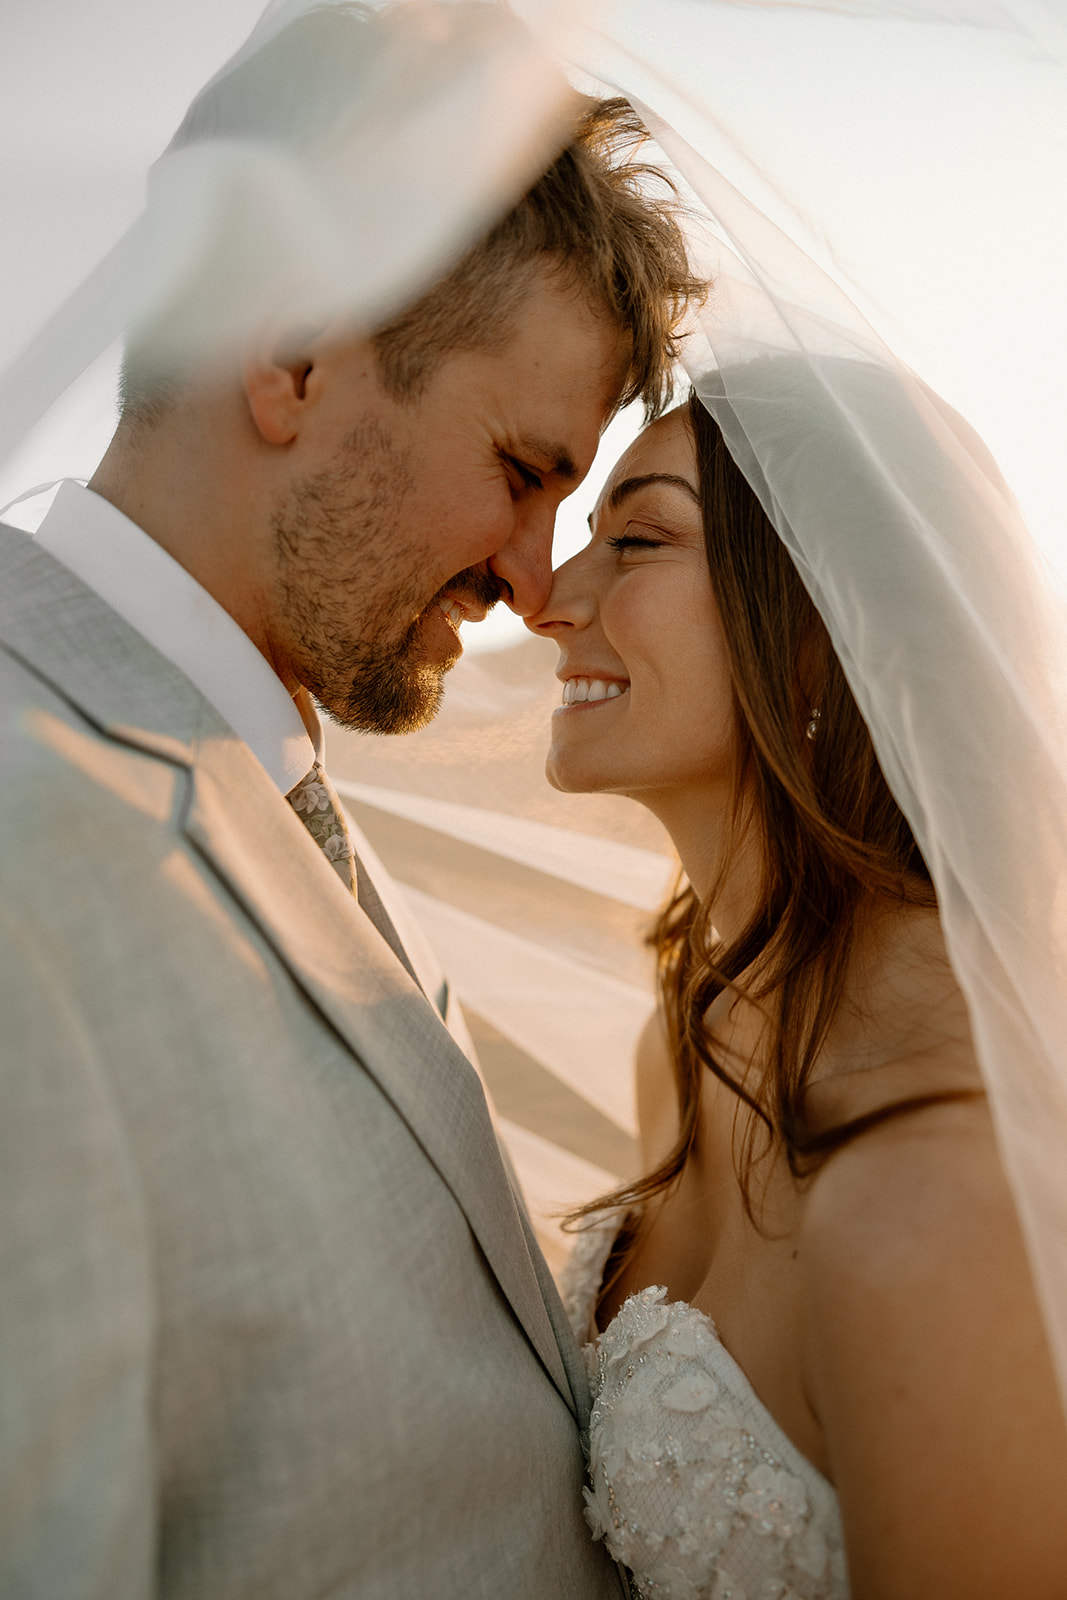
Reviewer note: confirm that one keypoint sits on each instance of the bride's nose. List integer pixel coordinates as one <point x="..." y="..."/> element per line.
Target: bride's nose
<point x="571" y="602"/>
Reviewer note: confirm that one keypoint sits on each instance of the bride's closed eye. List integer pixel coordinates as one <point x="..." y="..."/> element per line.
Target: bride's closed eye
<point x="635" y="541"/>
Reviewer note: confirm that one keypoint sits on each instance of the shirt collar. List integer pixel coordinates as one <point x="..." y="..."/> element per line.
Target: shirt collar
<point x="166" y="605"/>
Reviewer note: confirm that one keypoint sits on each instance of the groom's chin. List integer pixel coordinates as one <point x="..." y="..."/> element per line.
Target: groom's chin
<point x="402" y="703"/>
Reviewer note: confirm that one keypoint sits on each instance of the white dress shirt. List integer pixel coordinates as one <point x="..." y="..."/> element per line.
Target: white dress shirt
<point x="150" y="591"/>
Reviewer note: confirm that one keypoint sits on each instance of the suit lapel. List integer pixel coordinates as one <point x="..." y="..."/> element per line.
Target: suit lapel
<point x="370" y="903"/>
<point x="258" y="847"/>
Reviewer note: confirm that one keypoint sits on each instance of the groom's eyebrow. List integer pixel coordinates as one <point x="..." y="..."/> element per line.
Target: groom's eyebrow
<point x="544" y="450"/>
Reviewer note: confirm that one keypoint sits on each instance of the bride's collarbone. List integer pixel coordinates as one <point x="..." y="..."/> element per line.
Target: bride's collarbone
<point x="735" y="1250"/>
<point x="696" y="1238"/>
<point x="745" y="1265"/>
<point x="741" y="1266"/>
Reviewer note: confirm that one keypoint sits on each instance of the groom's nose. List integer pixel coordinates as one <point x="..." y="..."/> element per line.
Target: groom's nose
<point x="524" y="563"/>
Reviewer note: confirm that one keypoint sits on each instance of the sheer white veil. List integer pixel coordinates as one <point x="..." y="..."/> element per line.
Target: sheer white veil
<point x="876" y="189"/>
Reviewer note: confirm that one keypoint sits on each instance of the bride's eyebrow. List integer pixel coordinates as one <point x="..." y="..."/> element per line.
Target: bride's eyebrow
<point x="630" y="486"/>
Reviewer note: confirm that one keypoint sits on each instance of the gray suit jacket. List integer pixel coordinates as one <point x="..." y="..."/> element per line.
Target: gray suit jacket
<point x="271" y="1321"/>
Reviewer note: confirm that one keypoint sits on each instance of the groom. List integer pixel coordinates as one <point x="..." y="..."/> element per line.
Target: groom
<point x="272" y="1322"/>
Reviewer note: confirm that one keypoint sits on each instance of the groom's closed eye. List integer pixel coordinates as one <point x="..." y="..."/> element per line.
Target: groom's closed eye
<point x="530" y="478"/>
<point x="557" y="458"/>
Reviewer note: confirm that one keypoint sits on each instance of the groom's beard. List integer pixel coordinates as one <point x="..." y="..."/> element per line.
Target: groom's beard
<point x="344" y="580"/>
<point x="389" y="686"/>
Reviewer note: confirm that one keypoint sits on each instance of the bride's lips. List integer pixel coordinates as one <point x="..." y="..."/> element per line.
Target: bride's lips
<point x="589" y="693"/>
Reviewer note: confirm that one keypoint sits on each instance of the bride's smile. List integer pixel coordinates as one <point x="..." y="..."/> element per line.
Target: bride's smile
<point x="589" y="691"/>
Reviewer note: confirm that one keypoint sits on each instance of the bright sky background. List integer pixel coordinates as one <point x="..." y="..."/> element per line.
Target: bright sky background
<point x="94" y="88"/>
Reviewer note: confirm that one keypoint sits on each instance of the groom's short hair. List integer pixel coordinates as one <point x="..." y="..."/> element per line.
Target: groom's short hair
<point x="600" y="217"/>
<point x="590" y="215"/>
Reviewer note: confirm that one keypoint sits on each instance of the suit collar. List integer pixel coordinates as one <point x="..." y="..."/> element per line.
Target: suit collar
<point x="260" y="849"/>
<point x="67" y="635"/>
<point x="167" y="606"/>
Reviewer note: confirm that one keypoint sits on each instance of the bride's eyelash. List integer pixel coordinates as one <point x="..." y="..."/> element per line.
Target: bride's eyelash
<point x="633" y="541"/>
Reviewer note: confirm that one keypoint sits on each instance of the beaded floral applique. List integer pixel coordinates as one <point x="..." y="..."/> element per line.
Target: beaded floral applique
<point x="693" y="1485"/>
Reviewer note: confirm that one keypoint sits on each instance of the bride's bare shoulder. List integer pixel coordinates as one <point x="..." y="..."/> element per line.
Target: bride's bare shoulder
<point x="926" y="1363"/>
<point x="902" y="1031"/>
<point x="909" y="1191"/>
<point x="924" y="1352"/>
<point x="919" y="1189"/>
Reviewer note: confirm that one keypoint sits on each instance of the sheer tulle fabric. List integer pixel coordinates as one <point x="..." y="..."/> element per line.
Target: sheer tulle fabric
<point x="875" y="187"/>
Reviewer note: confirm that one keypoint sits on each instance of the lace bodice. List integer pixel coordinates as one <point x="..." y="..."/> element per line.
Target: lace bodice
<point x="695" y="1487"/>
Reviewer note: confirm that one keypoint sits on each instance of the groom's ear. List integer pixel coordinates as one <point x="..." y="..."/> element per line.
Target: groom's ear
<point x="295" y="368"/>
<point x="278" y="371"/>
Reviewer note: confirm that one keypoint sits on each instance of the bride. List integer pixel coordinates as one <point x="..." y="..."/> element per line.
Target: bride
<point x="818" y="1361"/>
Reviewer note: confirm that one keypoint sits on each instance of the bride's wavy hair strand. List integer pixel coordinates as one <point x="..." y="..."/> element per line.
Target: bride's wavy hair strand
<point x="833" y="844"/>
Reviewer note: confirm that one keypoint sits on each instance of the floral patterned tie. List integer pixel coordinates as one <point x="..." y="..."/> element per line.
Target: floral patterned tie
<point x="316" y="803"/>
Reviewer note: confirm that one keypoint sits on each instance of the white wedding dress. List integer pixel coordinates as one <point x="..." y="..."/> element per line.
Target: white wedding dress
<point x="695" y="1488"/>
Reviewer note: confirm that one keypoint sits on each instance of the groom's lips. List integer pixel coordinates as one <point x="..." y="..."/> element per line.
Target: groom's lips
<point x="455" y="613"/>
<point x="470" y="597"/>
<point x="476" y="590"/>
<point x="456" y="609"/>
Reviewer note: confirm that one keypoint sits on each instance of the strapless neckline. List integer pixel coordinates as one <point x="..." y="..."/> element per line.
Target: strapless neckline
<point x="693" y="1484"/>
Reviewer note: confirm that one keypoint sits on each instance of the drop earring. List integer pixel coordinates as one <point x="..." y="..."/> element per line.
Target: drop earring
<point x="813" y="725"/>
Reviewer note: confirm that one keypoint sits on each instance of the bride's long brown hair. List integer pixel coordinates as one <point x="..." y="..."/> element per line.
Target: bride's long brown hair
<point x="833" y="844"/>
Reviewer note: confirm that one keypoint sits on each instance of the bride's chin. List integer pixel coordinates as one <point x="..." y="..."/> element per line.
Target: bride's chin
<point x="569" y="777"/>
<point x="555" y="778"/>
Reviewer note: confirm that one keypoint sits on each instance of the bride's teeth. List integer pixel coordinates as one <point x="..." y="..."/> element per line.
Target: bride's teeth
<point x="578" y="690"/>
